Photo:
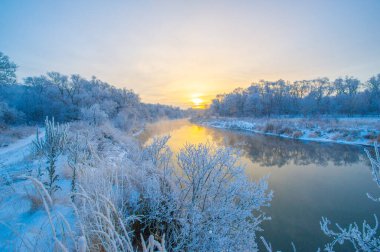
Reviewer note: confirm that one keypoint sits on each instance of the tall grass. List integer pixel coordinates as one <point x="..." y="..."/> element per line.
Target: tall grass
<point x="51" y="146"/>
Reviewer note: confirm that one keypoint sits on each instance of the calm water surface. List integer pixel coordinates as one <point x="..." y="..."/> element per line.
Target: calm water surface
<point x="309" y="180"/>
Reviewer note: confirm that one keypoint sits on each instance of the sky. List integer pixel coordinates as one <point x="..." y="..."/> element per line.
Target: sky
<point x="183" y="53"/>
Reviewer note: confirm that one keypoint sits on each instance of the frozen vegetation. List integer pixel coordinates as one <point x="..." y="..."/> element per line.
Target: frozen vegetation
<point x="345" y="110"/>
<point x="342" y="97"/>
<point x="80" y="180"/>
<point x="72" y="98"/>
<point x="364" y="131"/>
<point x="98" y="188"/>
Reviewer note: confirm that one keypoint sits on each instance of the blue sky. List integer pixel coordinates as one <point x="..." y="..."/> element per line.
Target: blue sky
<point x="174" y="51"/>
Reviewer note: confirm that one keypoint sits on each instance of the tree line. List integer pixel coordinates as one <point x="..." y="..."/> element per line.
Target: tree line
<point x="68" y="98"/>
<point x="343" y="96"/>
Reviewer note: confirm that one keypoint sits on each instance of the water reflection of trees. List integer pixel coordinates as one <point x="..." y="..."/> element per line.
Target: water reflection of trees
<point x="275" y="151"/>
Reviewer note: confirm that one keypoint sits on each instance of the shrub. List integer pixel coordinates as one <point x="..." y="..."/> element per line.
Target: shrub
<point x="94" y="115"/>
<point x="208" y="204"/>
<point x="222" y="207"/>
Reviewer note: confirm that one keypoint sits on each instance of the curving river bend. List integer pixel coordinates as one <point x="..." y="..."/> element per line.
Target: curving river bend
<point x="309" y="180"/>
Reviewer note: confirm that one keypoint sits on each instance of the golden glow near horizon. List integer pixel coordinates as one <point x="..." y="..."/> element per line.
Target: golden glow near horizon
<point x="198" y="102"/>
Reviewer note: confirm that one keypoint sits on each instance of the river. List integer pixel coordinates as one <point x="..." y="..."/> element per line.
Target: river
<point x="309" y="180"/>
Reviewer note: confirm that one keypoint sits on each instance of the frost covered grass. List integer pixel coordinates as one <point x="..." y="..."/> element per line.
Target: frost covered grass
<point x="364" y="131"/>
<point x="51" y="146"/>
<point x="115" y="195"/>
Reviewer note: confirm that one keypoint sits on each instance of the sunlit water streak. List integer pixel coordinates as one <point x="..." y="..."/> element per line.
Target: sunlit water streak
<point x="309" y="179"/>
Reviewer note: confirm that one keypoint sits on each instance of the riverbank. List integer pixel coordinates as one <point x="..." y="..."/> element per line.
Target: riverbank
<point x="358" y="131"/>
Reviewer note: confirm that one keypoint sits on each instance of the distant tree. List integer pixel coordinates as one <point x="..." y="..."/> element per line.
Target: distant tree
<point x="344" y="96"/>
<point x="7" y="70"/>
<point x="374" y="91"/>
<point x="70" y="98"/>
<point x="374" y="84"/>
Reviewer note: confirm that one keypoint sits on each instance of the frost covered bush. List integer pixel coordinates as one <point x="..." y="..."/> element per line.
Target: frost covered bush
<point x="51" y="145"/>
<point x="366" y="237"/>
<point x="202" y="202"/>
<point x="127" y="119"/>
<point x="221" y="206"/>
<point x="94" y="114"/>
<point x="124" y="196"/>
<point x="103" y="161"/>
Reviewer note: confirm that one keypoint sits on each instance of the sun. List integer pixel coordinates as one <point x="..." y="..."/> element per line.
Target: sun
<point x="197" y="101"/>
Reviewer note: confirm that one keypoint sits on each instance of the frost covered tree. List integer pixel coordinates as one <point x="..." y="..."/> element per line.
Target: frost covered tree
<point x="344" y="96"/>
<point x="374" y="91"/>
<point x="366" y="237"/>
<point x="75" y="98"/>
<point x="7" y="70"/>
<point x="72" y="97"/>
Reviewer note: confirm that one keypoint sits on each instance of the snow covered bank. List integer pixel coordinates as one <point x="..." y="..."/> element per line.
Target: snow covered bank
<point x="363" y="131"/>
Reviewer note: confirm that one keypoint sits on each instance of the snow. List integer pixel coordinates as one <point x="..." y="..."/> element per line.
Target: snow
<point x="22" y="224"/>
<point x="11" y="153"/>
<point x="356" y="131"/>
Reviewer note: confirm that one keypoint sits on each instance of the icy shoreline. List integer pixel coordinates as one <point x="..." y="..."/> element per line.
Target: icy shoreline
<point x="353" y="131"/>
